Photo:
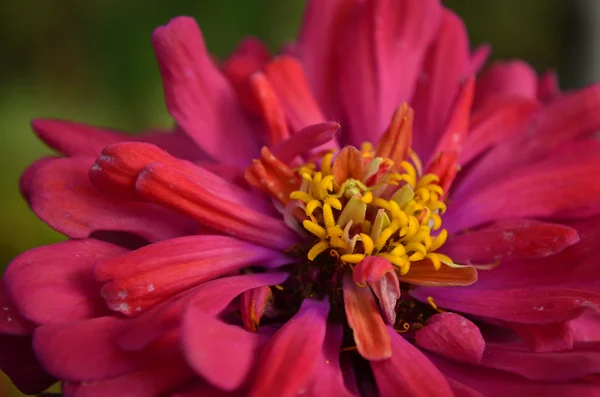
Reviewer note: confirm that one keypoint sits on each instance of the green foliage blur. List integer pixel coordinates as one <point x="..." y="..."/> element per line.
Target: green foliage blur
<point x="91" y="61"/>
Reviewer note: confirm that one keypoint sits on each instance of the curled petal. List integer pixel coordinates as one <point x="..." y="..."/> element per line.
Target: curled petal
<point x="452" y="336"/>
<point x="396" y="140"/>
<point x="252" y="306"/>
<point x="269" y="108"/>
<point x="348" y="164"/>
<point x="381" y="276"/>
<point x="370" y="333"/>
<point x="303" y="141"/>
<point x="273" y="176"/>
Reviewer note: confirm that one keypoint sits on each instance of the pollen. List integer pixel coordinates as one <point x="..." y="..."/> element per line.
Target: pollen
<point x="357" y="204"/>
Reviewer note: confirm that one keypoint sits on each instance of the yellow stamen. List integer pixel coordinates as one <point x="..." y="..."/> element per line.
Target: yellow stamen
<point x="317" y="249"/>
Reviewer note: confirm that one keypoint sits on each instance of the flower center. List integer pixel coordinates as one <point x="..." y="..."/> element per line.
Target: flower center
<point x="363" y="206"/>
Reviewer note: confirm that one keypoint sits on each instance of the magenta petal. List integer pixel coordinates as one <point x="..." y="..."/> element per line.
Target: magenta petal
<point x="586" y="328"/>
<point x="153" y="379"/>
<point x="452" y="336"/>
<point x="380" y="52"/>
<point x="409" y="371"/>
<point x="156" y="272"/>
<point x="302" y="338"/>
<point x="54" y="283"/>
<point x="12" y="321"/>
<point x="582" y="360"/>
<point x="65" y="350"/>
<point x="19" y="363"/>
<point x="179" y="191"/>
<point x="252" y="306"/>
<point x="513" y="238"/>
<point x="211" y="297"/>
<point x="514" y="79"/>
<point x="27" y="175"/>
<point x="530" y="306"/>
<point x="210" y="346"/>
<point x="543" y="338"/>
<point x="327" y="378"/>
<point x="198" y="96"/>
<point x="62" y="196"/>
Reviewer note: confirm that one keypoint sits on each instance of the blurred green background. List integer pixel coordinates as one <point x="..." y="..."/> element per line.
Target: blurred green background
<point x="92" y="62"/>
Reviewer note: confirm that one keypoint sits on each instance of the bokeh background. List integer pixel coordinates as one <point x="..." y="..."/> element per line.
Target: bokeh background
<point x="91" y="61"/>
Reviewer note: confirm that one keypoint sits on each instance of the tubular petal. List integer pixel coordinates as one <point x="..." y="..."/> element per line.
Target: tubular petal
<point x="369" y="330"/>
<point x="252" y="306"/>
<point x="176" y="190"/>
<point x="452" y="336"/>
<point x="302" y="338"/>
<point x="198" y="96"/>
<point x="408" y="370"/>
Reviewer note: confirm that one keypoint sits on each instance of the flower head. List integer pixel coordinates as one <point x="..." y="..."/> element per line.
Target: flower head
<point x="440" y="237"/>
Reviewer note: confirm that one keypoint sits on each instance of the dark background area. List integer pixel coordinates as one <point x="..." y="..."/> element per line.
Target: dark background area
<point x="92" y="62"/>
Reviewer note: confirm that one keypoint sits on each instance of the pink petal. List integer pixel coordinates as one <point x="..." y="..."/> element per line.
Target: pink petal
<point x="512" y="238"/>
<point x="582" y="360"/>
<point x="178" y="191"/>
<point x="459" y="389"/>
<point x="586" y="328"/>
<point x="493" y="383"/>
<point x="62" y="196"/>
<point x="198" y="96"/>
<point x="11" y="320"/>
<point x="54" y="283"/>
<point x="543" y="338"/>
<point x="479" y="57"/>
<point x="534" y="193"/>
<point x="369" y="330"/>
<point x="452" y="336"/>
<point x="212" y="298"/>
<point x="408" y="371"/>
<point x="302" y="338"/>
<point x="252" y="306"/>
<point x="381" y="48"/>
<point x="305" y="140"/>
<point x="548" y="89"/>
<point x="530" y="306"/>
<point x="154" y="273"/>
<point x="565" y="119"/>
<point x="494" y="123"/>
<point x="514" y="79"/>
<point x="65" y="349"/>
<point x="327" y="378"/>
<point x="27" y="175"/>
<point x="224" y="355"/>
<point x="381" y="276"/>
<point x="270" y="109"/>
<point x="437" y="91"/>
<point x="286" y="75"/>
<point x="250" y="56"/>
<point x="19" y="363"/>
<point x="200" y="388"/>
<point x="154" y="378"/>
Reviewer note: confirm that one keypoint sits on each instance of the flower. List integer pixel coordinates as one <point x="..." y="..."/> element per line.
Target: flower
<point x="440" y="238"/>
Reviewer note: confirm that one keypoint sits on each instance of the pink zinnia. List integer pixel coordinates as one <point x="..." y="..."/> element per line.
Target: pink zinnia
<point x="440" y="238"/>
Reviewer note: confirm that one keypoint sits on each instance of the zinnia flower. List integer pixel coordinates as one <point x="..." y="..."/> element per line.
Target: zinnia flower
<point x="359" y="215"/>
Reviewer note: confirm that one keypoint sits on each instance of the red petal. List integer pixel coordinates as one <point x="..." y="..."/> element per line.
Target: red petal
<point x="252" y="306"/>
<point x="224" y="355"/>
<point x="444" y="69"/>
<point x="512" y="238"/>
<point x="514" y="79"/>
<point x="479" y="57"/>
<point x="250" y="56"/>
<point x="381" y="276"/>
<point x="305" y="140"/>
<point x="548" y="88"/>
<point x="287" y="77"/>
<point x="543" y="338"/>
<point x="452" y="336"/>
<point x="27" y="175"/>
<point x="396" y="140"/>
<point x="198" y="96"/>
<point x="530" y="306"/>
<point x="369" y="330"/>
<point x="586" y="328"/>
<point x="270" y="109"/>
<point x="408" y="371"/>
<point x="348" y="164"/>
<point x="302" y="338"/>
<point x="62" y="195"/>
<point x="178" y="191"/>
<point x="211" y="297"/>
<point x="380" y="51"/>
<point x="55" y="283"/>
<point x="11" y="320"/>
<point x="159" y="271"/>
